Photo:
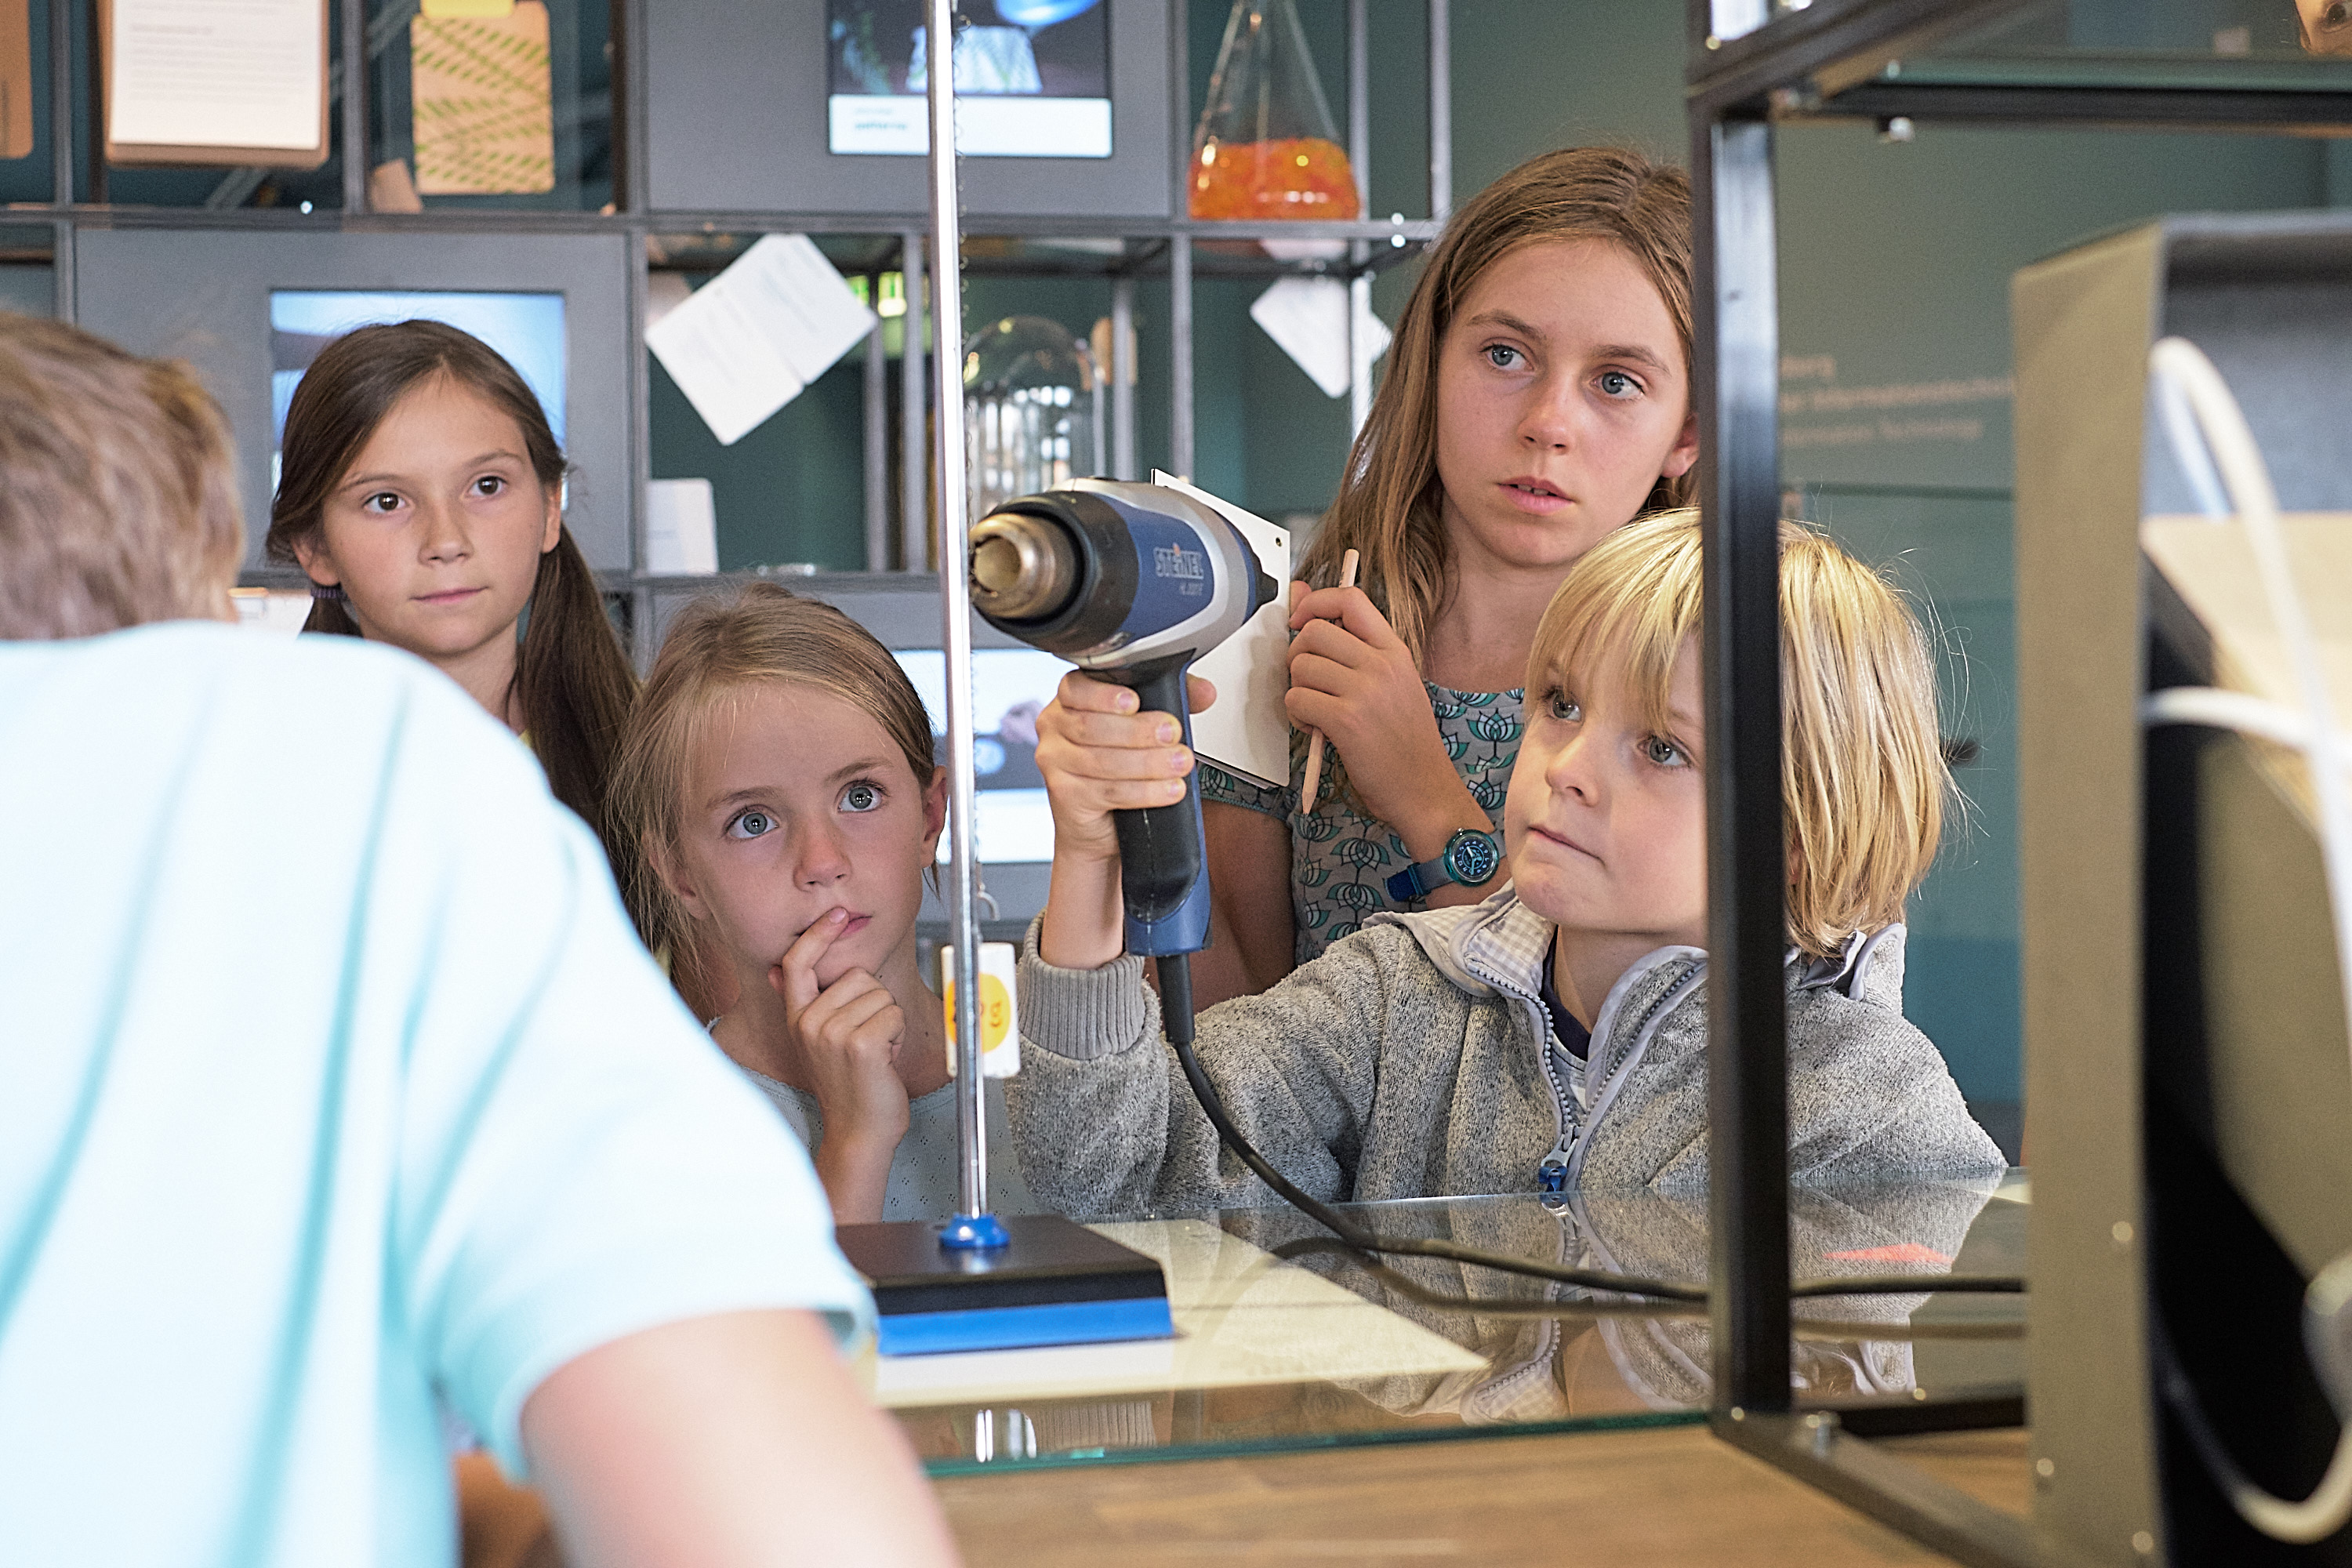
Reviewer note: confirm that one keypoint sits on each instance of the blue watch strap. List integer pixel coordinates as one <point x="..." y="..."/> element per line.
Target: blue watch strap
<point x="1475" y="848"/>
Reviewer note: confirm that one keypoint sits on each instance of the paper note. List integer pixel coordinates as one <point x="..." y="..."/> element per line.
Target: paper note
<point x="479" y="88"/>
<point x="744" y="344"/>
<point x="681" y="527"/>
<point x="1307" y="317"/>
<point x="216" y="73"/>
<point x="1247" y="731"/>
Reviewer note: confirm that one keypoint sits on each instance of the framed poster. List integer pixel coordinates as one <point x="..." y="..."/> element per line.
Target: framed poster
<point x="215" y="82"/>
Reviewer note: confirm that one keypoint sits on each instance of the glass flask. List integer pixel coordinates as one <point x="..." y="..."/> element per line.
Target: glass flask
<point x="1266" y="147"/>
<point x="1032" y="420"/>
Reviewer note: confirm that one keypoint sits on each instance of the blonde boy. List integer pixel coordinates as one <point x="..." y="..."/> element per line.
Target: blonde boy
<point x="1555" y="1034"/>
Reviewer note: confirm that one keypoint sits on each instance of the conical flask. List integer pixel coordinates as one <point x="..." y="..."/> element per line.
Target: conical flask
<point x="1266" y="147"/>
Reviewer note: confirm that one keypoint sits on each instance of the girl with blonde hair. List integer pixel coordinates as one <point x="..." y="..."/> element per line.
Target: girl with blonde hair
<point x="1536" y="396"/>
<point x="777" y="787"/>
<point x="1554" y="1035"/>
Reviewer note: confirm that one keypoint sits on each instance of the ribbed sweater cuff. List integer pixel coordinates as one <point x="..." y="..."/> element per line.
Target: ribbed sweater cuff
<point x="1081" y="1014"/>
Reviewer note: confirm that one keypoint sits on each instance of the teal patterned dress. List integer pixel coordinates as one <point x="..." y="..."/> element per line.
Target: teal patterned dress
<point x="1341" y="860"/>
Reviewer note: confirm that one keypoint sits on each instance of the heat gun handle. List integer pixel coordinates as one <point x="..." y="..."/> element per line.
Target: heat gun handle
<point x="1164" y="863"/>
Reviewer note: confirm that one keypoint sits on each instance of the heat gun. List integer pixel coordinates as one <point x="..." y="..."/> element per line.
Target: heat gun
<point x="1131" y="583"/>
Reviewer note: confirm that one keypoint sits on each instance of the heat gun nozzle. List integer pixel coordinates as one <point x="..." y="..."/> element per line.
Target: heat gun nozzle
<point x="1023" y="567"/>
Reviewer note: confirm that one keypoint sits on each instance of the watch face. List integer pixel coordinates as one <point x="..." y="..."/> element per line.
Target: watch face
<point x="1473" y="858"/>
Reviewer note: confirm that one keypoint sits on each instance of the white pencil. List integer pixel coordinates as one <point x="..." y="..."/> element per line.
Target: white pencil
<point x="1313" y="782"/>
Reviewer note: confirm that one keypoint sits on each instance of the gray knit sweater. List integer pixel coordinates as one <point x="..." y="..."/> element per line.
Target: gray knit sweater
<point x="1414" y="1059"/>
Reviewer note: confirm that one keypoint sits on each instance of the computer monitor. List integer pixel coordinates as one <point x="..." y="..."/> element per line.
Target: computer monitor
<point x="526" y="329"/>
<point x="769" y="108"/>
<point x="1034" y="79"/>
<point x="249" y="309"/>
<point x="1010" y="686"/>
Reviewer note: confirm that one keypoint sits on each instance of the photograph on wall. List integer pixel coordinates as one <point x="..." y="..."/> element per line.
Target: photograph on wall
<point x="1032" y="78"/>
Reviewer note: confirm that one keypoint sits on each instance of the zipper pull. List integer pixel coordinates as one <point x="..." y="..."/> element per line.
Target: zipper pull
<point x="1551" y="1176"/>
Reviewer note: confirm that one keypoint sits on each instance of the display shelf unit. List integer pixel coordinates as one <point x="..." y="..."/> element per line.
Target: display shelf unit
<point x="1175" y="250"/>
<point x="1752" y="66"/>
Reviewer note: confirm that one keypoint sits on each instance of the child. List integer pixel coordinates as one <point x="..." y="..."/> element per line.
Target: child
<point x="1538" y="396"/>
<point x="300" y="1147"/>
<point x="776" y="781"/>
<point x="421" y="489"/>
<point x="1554" y="1035"/>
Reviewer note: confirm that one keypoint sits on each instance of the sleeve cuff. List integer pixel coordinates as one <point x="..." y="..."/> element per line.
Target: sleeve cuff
<point x="1084" y="1013"/>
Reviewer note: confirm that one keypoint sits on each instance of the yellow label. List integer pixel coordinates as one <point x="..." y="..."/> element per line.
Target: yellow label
<point x="995" y="1011"/>
<point x="1000" y="1024"/>
<point x="468" y="7"/>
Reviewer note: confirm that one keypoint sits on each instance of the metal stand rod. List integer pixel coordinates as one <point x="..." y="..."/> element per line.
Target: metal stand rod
<point x="876" y="445"/>
<point x="1122" y="377"/>
<point x="1359" y="156"/>
<point x="1748" y="1097"/>
<point x="914" y="509"/>
<point x="1440" y="111"/>
<point x="1180" y="355"/>
<point x="955" y="608"/>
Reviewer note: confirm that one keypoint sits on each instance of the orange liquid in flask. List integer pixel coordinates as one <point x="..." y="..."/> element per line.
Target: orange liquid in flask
<point x="1295" y="177"/>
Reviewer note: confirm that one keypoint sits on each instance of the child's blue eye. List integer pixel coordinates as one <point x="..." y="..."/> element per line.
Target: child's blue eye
<point x="1617" y="383"/>
<point x="1503" y="356"/>
<point x="751" y="825"/>
<point x="1663" y="752"/>
<point x="861" y="796"/>
<point x="1564" y="707"/>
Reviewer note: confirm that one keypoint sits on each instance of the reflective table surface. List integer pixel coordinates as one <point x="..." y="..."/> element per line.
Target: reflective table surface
<point x="1283" y="1344"/>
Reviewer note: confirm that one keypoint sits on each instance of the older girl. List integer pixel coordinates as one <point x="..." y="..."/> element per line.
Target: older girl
<point x="1536" y="397"/>
<point x="777" y="785"/>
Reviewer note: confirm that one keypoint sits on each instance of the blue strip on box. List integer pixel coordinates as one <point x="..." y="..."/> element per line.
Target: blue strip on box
<point x="1013" y="1327"/>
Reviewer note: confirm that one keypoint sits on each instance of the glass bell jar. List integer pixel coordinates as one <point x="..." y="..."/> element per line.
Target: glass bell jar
<point x="1032" y="419"/>
<point x="1266" y="147"/>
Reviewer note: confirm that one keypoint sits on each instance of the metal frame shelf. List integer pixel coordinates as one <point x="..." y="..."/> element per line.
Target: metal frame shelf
<point x="1828" y="59"/>
<point x="1176" y="249"/>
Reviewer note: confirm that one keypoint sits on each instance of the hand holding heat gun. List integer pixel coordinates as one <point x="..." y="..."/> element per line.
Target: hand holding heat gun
<point x="1131" y="583"/>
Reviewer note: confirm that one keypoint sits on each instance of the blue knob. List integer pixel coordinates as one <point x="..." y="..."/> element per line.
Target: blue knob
<point x="1551" y="1176"/>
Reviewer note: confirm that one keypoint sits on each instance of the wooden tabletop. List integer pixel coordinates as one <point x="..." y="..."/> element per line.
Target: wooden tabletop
<point x="1624" y="1498"/>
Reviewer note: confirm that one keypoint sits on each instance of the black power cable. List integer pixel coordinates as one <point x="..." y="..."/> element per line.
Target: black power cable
<point x="1176" y="1018"/>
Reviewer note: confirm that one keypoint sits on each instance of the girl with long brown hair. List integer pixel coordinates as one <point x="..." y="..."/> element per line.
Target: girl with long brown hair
<point x="421" y="489"/>
<point x="1537" y="396"/>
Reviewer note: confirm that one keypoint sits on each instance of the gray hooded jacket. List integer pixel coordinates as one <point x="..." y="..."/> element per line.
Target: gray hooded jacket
<point x="1416" y="1059"/>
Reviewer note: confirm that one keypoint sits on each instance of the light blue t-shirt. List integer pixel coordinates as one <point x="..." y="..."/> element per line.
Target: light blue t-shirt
<point x="332" y="1083"/>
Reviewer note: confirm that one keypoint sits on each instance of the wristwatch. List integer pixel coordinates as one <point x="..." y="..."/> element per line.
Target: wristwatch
<point x="1471" y="858"/>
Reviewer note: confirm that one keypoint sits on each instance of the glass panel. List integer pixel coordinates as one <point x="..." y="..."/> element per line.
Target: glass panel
<point x="511" y="112"/>
<point x="27" y="280"/>
<point x="1282" y="1345"/>
<point x="2302" y="45"/>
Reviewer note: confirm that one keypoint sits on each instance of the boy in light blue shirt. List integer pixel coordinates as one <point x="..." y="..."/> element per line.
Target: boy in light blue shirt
<point x="334" y="1088"/>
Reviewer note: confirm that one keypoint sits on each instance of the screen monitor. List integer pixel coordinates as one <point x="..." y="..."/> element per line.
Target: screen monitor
<point x="248" y="311"/>
<point x="1010" y="687"/>
<point x="526" y="329"/>
<point x="1033" y="78"/>
<point x="818" y="106"/>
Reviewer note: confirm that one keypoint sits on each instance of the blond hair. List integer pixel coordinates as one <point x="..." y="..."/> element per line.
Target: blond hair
<point x="1863" y="776"/>
<point x="719" y="646"/>
<point x="117" y="488"/>
<point x="1389" y="507"/>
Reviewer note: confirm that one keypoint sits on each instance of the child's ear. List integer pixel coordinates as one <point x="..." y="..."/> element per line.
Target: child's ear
<point x="935" y="810"/>
<point x="1685" y="451"/>
<point x="310" y="553"/>
<point x="671" y="870"/>
<point x="554" y="529"/>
